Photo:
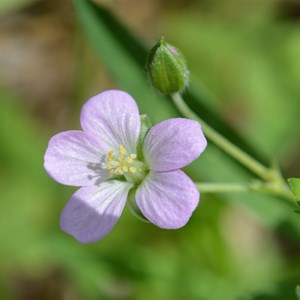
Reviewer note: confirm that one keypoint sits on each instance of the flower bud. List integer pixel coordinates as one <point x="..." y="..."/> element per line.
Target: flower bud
<point x="167" y="68"/>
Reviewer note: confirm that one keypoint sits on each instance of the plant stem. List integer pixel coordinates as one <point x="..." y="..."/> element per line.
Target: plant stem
<point x="224" y="144"/>
<point x="257" y="186"/>
<point x="222" y="187"/>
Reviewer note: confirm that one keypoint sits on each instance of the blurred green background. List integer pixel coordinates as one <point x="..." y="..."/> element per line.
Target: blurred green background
<point x="244" y="57"/>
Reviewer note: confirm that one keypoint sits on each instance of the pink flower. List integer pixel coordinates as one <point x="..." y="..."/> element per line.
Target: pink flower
<point x="107" y="160"/>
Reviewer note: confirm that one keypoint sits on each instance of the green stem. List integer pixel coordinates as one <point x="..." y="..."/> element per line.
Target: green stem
<point x="258" y="186"/>
<point x="224" y="144"/>
<point x="222" y="187"/>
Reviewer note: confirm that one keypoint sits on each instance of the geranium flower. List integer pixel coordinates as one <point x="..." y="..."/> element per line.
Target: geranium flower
<point x="105" y="161"/>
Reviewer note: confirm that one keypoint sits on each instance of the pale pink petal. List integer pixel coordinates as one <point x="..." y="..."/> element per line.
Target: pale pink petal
<point x="173" y="144"/>
<point x="167" y="199"/>
<point x="112" y="117"/>
<point x="93" y="211"/>
<point x="75" y="158"/>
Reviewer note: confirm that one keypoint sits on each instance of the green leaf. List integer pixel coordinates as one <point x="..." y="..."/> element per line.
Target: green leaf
<point x="295" y="187"/>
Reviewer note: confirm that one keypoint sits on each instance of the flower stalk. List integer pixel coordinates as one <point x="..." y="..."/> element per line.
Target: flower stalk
<point x="273" y="182"/>
<point x="257" y="186"/>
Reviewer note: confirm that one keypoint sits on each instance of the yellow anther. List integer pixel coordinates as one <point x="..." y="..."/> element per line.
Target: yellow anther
<point x="115" y="163"/>
<point x="118" y="171"/>
<point x="132" y="169"/>
<point x="125" y="169"/>
<point x="108" y="166"/>
<point x="133" y="155"/>
<point x="110" y="155"/>
<point x="129" y="160"/>
<point x="122" y="150"/>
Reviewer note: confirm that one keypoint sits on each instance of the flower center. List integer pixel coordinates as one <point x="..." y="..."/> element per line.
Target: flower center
<point x="122" y="163"/>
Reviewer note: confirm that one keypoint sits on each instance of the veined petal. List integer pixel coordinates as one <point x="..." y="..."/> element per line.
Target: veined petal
<point x="173" y="144"/>
<point x="74" y="158"/>
<point x="167" y="199"/>
<point x="93" y="211"/>
<point x="113" y="117"/>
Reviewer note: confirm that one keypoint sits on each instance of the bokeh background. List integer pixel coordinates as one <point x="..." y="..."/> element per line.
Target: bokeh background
<point x="244" y="57"/>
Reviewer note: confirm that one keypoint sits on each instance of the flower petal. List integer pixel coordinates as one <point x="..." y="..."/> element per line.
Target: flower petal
<point x="167" y="199"/>
<point x="93" y="211"/>
<point x="74" y="158"/>
<point x="173" y="144"/>
<point x="113" y="117"/>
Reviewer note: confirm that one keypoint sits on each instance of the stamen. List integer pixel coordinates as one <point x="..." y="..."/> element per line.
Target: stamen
<point x="108" y="166"/>
<point x="122" y="150"/>
<point x="132" y="169"/>
<point x="129" y="160"/>
<point x="119" y="171"/>
<point x="110" y="155"/>
<point x="120" y="163"/>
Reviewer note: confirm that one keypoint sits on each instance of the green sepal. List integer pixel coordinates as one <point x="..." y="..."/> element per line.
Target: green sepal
<point x="146" y="124"/>
<point x="294" y="184"/>
<point x="167" y="68"/>
<point x="133" y="206"/>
